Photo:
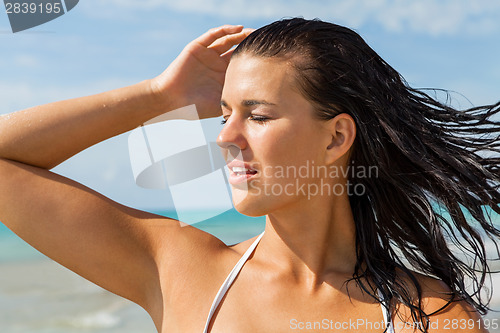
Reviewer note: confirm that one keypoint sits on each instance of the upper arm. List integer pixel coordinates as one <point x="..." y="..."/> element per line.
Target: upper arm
<point x="114" y="246"/>
<point x="449" y="314"/>
<point x="446" y="314"/>
<point x="458" y="316"/>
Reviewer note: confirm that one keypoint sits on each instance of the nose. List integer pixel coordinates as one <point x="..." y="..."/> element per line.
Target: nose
<point x="232" y="135"/>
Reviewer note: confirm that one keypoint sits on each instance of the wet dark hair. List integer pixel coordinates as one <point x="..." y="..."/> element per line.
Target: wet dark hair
<point x="436" y="164"/>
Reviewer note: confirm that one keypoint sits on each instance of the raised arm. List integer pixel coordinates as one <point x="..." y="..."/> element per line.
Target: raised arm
<point x="46" y="135"/>
<point x="114" y="246"/>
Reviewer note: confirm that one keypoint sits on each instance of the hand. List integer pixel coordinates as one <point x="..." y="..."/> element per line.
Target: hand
<point x="196" y="76"/>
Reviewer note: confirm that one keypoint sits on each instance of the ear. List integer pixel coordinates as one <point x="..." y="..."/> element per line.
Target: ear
<point x="342" y="129"/>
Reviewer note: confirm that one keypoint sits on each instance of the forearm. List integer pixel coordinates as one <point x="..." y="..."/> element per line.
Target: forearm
<point x="45" y="136"/>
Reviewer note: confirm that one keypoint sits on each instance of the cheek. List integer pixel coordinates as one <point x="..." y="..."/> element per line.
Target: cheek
<point x="283" y="155"/>
<point x="276" y="147"/>
<point x="291" y="146"/>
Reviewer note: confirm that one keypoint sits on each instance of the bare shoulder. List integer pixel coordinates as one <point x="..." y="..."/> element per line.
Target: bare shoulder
<point x="187" y="249"/>
<point x="447" y="313"/>
<point x="190" y="253"/>
<point x="192" y="265"/>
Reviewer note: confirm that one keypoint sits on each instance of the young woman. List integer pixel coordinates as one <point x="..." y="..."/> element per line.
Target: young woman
<point x="304" y="103"/>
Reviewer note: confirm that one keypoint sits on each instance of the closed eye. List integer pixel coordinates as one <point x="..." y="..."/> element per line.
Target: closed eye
<point x="259" y="119"/>
<point x="225" y="118"/>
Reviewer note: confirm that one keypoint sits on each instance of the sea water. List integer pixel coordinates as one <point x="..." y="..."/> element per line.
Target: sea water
<point x="38" y="295"/>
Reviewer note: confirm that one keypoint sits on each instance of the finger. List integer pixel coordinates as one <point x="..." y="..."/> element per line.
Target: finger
<point x="215" y="33"/>
<point x="225" y="43"/>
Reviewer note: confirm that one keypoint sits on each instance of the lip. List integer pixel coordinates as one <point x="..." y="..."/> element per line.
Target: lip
<point x="238" y="178"/>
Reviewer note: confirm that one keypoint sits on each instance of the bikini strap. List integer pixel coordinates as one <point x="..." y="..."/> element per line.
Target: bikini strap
<point x="229" y="280"/>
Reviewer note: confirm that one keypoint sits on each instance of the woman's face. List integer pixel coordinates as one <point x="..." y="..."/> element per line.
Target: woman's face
<point x="271" y="140"/>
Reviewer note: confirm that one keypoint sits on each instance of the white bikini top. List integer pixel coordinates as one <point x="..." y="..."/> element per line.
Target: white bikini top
<point x="234" y="273"/>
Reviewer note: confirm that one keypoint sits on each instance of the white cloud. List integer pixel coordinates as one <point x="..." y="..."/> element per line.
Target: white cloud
<point x="433" y="17"/>
<point x="440" y="17"/>
<point x="27" y="61"/>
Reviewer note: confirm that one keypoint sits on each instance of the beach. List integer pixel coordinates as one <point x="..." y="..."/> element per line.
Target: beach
<point x="43" y="296"/>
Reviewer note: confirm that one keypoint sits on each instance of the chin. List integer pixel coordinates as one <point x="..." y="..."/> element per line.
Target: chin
<point x="249" y="204"/>
<point x="251" y="210"/>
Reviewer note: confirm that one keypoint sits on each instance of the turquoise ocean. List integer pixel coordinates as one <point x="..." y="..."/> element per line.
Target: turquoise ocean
<point x="38" y="295"/>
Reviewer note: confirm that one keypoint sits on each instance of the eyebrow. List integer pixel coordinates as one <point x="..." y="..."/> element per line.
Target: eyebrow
<point x="249" y="102"/>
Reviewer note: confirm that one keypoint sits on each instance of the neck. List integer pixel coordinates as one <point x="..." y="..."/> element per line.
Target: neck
<point x="312" y="241"/>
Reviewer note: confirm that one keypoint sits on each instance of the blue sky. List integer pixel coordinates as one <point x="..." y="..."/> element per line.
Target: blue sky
<point x="101" y="45"/>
